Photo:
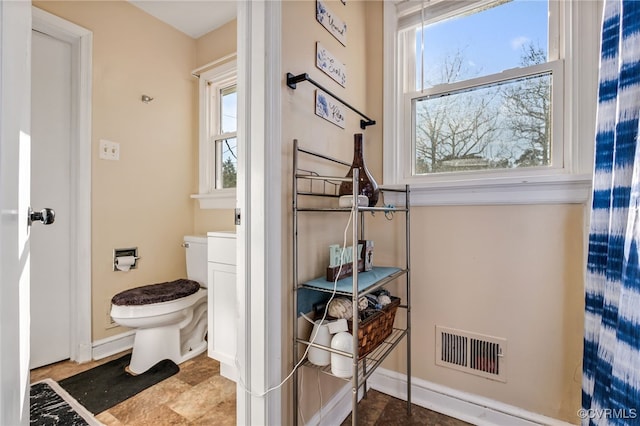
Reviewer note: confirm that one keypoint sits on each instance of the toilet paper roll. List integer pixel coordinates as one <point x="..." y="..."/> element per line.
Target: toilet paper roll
<point x="124" y="263"/>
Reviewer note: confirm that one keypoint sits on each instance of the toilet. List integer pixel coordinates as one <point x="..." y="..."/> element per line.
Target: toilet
<point x="169" y="318"/>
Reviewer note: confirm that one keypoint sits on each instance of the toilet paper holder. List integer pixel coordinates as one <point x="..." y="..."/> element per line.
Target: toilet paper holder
<point x="125" y="252"/>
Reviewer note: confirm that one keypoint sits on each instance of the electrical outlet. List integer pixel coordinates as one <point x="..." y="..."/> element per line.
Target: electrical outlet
<point x="109" y="150"/>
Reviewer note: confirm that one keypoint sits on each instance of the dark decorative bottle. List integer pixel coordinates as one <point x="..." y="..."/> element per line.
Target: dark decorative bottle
<point x="367" y="185"/>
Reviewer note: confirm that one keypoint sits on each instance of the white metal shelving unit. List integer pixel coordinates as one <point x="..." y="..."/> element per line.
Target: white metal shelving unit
<point x="316" y="185"/>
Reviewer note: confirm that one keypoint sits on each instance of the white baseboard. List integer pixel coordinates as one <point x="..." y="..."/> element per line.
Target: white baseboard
<point x="229" y="371"/>
<point x="464" y="406"/>
<point x="84" y="353"/>
<point x="112" y="345"/>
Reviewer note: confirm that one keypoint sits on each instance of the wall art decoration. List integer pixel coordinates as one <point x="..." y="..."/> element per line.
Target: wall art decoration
<point x="329" y="109"/>
<point x="336" y="26"/>
<point x="330" y="65"/>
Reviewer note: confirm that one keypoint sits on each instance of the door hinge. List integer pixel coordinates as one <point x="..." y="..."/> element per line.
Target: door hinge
<point x="237" y="215"/>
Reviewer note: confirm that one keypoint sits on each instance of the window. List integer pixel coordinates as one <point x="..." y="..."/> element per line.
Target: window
<point x="225" y="139"/>
<point x="480" y="90"/>
<point x="218" y="125"/>
<point x="472" y="116"/>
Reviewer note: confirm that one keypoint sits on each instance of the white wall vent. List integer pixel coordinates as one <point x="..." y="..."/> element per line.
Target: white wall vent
<point x="472" y="353"/>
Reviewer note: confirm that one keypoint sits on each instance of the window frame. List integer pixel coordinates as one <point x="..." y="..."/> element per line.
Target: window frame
<point x="554" y="68"/>
<point x="217" y="137"/>
<point x="209" y="85"/>
<point x="568" y="181"/>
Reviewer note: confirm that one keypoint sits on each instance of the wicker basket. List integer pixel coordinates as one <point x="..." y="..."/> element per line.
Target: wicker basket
<point x="375" y="329"/>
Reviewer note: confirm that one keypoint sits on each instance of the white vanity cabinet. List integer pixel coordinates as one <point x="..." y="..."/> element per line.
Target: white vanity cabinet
<point x="222" y="280"/>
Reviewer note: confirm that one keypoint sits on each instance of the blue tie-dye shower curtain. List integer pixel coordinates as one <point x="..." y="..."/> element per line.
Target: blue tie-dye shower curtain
<point x="611" y="364"/>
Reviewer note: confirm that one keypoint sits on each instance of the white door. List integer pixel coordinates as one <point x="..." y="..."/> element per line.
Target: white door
<point x="15" y="34"/>
<point x="50" y="187"/>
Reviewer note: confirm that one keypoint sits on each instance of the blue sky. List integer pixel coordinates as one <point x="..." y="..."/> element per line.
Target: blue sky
<point x="230" y="112"/>
<point x="491" y="41"/>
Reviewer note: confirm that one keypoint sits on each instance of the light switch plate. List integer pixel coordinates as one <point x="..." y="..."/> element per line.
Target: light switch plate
<point x="109" y="150"/>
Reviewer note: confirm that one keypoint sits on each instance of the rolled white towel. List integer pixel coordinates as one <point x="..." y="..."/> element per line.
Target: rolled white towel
<point x="340" y="307"/>
<point x="384" y="300"/>
<point x="363" y="303"/>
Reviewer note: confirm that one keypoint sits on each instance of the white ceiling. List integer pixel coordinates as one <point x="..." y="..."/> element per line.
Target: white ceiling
<point x="193" y="17"/>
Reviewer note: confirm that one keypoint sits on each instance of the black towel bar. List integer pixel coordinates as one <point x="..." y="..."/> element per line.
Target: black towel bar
<point x="292" y="80"/>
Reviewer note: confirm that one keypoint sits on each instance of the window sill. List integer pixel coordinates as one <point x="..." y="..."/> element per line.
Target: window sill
<point x="221" y="199"/>
<point x="565" y="189"/>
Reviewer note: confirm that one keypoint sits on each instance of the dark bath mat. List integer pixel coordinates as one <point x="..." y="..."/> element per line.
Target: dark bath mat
<point x="109" y="384"/>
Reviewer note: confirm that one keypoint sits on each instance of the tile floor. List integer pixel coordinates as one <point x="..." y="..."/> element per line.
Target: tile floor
<point x="379" y="409"/>
<point x="198" y="395"/>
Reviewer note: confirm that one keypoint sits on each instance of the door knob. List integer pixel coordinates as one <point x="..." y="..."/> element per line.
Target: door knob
<point x="46" y="216"/>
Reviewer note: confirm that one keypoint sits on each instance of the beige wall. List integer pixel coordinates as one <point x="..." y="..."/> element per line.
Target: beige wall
<point x="210" y="47"/>
<point x="505" y="271"/>
<point x="300" y="32"/>
<point x="143" y="199"/>
<point x="217" y="44"/>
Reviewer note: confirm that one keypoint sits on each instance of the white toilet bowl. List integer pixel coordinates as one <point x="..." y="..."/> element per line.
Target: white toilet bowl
<point x="169" y="319"/>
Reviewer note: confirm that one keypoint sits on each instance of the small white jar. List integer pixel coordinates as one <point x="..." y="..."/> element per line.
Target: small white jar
<point x="319" y="356"/>
<point x="341" y="366"/>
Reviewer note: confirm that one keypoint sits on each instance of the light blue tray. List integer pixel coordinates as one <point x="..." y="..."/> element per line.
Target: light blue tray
<point x="345" y="285"/>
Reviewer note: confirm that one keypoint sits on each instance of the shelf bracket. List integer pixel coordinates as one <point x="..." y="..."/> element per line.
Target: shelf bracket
<point x="293" y="80"/>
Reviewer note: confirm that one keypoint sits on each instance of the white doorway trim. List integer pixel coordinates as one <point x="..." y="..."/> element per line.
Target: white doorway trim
<point x="81" y="41"/>
<point x="260" y="200"/>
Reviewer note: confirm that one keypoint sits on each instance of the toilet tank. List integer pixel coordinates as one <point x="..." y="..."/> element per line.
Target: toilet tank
<point x="195" y="247"/>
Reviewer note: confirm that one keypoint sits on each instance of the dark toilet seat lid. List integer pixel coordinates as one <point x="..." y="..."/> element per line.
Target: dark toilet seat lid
<point x="156" y="293"/>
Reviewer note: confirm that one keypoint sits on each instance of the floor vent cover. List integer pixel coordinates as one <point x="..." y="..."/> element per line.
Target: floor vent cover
<point x="472" y="353"/>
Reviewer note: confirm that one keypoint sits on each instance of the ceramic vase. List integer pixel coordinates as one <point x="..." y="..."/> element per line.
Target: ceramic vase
<point x="367" y="185"/>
